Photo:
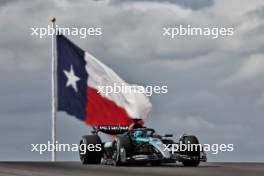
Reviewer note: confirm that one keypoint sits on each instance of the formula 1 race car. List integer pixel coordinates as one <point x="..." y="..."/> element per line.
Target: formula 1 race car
<point x="141" y="145"/>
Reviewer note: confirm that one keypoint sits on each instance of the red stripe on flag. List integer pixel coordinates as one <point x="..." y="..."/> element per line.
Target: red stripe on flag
<point x="103" y="112"/>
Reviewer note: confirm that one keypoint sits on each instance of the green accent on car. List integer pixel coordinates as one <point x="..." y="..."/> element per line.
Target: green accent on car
<point x="140" y="139"/>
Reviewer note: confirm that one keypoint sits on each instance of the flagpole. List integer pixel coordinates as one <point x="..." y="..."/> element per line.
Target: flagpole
<point x="53" y="90"/>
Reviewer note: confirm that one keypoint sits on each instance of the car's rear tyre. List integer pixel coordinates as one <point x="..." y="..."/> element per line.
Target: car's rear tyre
<point x="194" y="152"/>
<point x="87" y="156"/>
<point x="123" y="149"/>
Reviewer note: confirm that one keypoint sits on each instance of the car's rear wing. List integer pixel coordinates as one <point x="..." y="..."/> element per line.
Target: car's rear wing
<point x="118" y="129"/>
<point x="112" y="130"/>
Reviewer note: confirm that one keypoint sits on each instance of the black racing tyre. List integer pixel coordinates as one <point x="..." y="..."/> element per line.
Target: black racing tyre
<point x="122" y="143"/>
<point x="194" y="151"/>
<point x="88" y="156"/>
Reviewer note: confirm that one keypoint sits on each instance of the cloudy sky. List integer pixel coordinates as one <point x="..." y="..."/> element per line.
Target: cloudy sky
<point x="216" y="86"/>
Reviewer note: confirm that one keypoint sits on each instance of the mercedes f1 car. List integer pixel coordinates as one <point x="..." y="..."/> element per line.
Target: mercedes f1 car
<point x="141" y="145"/>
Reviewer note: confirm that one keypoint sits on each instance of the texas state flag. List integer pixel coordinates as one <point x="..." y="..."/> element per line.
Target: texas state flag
<point x="79" y="76"/>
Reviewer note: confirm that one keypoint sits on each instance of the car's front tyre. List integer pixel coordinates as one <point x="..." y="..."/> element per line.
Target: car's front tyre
<point x="193" y="153"/>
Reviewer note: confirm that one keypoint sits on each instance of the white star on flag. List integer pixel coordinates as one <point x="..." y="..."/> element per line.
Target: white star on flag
<point x="72" y="79"/>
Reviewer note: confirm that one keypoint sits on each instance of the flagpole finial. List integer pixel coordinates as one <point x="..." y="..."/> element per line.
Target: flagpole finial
<point x="53" y="20"/>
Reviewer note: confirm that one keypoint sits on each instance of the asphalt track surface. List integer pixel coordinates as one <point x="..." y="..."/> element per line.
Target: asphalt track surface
<point x="76" y="169"/>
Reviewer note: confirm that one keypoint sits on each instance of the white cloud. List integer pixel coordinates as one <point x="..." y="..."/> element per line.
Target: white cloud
<point x="250" y="69"/>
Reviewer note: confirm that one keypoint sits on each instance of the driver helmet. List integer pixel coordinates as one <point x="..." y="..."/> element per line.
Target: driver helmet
<point x="139" y="134"/>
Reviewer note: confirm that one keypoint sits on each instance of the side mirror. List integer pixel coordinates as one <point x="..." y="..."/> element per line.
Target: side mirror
<point x="168" y="135"/>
